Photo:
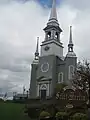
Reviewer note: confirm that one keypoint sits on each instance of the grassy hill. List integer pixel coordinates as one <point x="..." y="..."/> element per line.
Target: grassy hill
<point x="12" y="111"/>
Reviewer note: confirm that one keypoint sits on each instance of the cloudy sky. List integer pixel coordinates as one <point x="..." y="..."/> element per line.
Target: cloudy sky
<point x="21" y="21"/>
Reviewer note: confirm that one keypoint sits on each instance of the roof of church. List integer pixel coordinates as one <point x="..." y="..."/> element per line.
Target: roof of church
<point x="53" y="14"/>
<point x="71" y="54"/>
<point x="50" y="26"/>
<point x="70" y="39"/>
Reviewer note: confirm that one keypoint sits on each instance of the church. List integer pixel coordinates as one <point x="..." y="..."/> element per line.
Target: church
<point x="50" y="66"/>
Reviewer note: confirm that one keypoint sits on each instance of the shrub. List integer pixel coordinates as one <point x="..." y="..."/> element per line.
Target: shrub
<point x="79" y="116"/>
<point x="32" y="113"/>
<point x="61" y="115"/>
<point x="44" y="114"/>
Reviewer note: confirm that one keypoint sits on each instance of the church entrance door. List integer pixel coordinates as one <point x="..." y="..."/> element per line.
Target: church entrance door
<point x="43" y="91"/>
<point x="43" y="94"/>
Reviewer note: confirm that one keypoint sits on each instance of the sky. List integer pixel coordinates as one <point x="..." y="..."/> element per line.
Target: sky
<point x="22" y="21"/>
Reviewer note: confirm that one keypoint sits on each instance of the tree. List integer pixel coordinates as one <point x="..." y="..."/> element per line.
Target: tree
<point x="81" y="78"/>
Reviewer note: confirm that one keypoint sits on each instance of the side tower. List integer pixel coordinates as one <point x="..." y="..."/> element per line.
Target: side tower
<point x="71" y="60"/>
<point x="34" y="67"/>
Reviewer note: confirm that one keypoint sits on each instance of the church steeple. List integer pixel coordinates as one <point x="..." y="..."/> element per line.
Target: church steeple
<point x="37" y="51"/>
<point x="52" y="43"/>
<point x="70" y="45"/>
<point x="53" y="14"/>
<point x="52" y="30"/>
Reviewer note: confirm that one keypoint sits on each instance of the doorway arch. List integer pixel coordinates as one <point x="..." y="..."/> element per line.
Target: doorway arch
<point x="43" y="91"/>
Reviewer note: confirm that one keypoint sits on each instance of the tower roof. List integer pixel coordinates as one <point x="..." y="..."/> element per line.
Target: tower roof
<point x="37" y="44"/>
<point x="37" y="51"/>
<point x="70" y="39"/>
<point x="53" y="14"/>
<point x="36" y="59"/>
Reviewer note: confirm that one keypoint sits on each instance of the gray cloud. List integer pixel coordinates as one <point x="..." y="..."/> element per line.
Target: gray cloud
<point x="78" y="4"/>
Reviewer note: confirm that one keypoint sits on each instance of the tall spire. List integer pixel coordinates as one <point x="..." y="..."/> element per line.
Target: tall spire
<point x="70" y="39"/>
<point x="37" y="51"/>
<point x="70" y="45"/>
<point x="53" y="14"/>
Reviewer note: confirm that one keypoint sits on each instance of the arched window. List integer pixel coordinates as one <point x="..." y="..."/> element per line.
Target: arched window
<point x="56" y="35"/>
<point x="71" y="49"/>
<point x="60" y="77"/>
<point x="49" y="34"/>
<point x="71" y="71"/>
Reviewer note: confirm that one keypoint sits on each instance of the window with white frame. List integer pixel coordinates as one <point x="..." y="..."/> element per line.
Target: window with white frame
<point x="71" y="71"/>
<point x="60" y="77"/>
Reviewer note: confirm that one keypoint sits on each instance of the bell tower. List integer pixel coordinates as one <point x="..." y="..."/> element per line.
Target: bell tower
<point x="70" y="46"/>
<point x="52" y="44"/>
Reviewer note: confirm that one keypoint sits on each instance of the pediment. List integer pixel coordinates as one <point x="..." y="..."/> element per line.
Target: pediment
<point x="42" y="78"/>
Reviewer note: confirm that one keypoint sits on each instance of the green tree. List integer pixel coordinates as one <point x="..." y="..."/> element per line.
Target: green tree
<point x="81" y="78"/>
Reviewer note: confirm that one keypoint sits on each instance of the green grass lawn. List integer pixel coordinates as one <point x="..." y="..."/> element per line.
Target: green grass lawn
<point x="12" y="111"/>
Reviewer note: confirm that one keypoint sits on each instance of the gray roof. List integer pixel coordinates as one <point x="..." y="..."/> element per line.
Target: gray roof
<point x="53" y="14"/>
<point x="70" y="39"/>
<point x="71" y="54"/>
<point x="37" y="51"/>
